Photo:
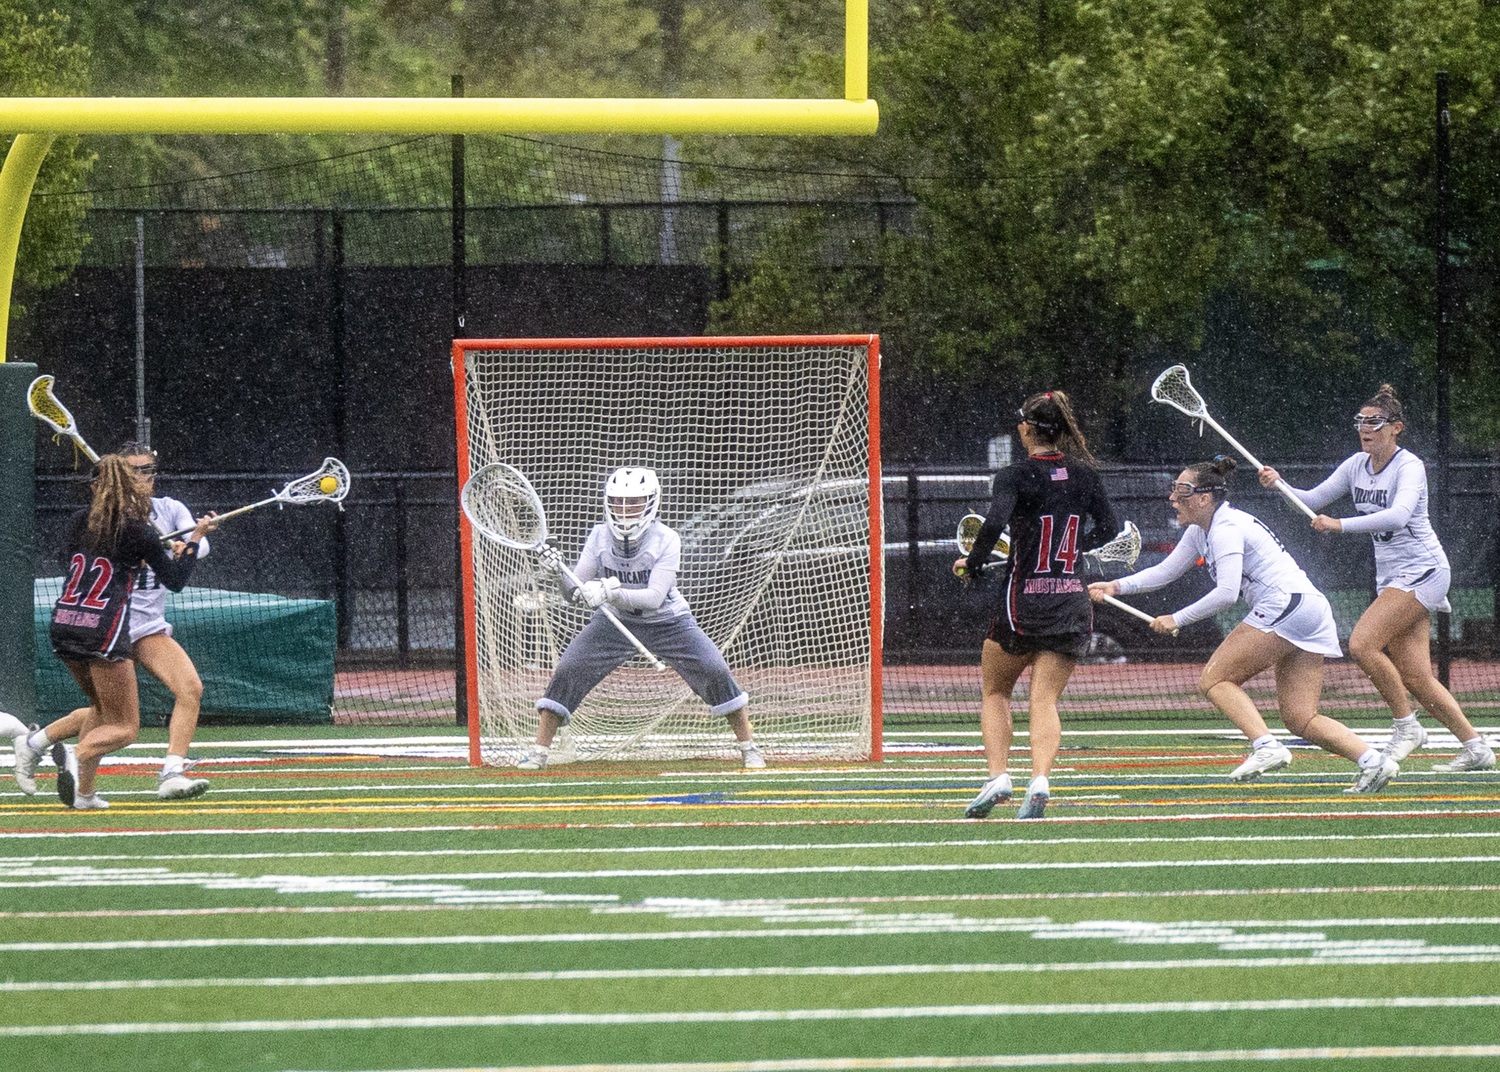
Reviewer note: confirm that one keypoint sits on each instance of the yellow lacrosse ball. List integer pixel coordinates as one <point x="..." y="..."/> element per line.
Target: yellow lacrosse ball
<point x="328" y="485"/>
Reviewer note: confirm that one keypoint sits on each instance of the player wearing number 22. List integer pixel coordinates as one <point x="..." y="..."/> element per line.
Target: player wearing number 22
<point x="630" y="563"/>
<point x="1290" y="626"/>
<point x="1388" y="484"/>
<point x="108" y="545"/>
<point x="1045" y="617"/>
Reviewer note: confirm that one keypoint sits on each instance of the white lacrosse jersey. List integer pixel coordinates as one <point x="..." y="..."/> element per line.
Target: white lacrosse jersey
<point x="148" y="602"/>
<point x="647" y="576"/>
<point x="1243" y="556"/>
<point x="1392" y="508"/>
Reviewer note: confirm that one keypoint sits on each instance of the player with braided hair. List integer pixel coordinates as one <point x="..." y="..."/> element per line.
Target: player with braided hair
<point x="629" y="563"/>
<point x="1054" y="503"/>
<point x="1388" y="484"/>
<point x="108" y="545"/>
<point x="1289" y="628"/>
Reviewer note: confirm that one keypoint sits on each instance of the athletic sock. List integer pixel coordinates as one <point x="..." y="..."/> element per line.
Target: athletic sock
<point x="173" y="764"/>
<point x="38" y="741"/>
<point x="1265" y="740"/>
<point x="745" y="746"/>
<point x="1371" y="758"/>
<point x="1409" y="720"/>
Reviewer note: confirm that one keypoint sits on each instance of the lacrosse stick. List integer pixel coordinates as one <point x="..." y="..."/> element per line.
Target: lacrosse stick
<point x="1134" y="612"/>
<point x="1175" y="389"/>
<point x="500" y="502"/>
<point x="328" y="483"/>
<point x="968" y="531"/>
<point x="46" y="408"/>
<point x="1124" y="549"/>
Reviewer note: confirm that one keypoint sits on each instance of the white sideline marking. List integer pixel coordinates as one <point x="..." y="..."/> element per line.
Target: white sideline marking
<point x="747" y="1016"/>
<point x="865" y="970"/>
<point x="136" y="876"/>
<point x="635" y="850"/>
<point x="1019" y="1060"/>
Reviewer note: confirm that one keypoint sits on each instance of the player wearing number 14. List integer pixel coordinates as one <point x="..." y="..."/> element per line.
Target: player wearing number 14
<point x="1044" y="617"/>
<point x="629" y="564"/>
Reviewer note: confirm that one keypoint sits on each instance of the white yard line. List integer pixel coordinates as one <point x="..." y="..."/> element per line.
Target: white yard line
<point x="749" y="1016"/>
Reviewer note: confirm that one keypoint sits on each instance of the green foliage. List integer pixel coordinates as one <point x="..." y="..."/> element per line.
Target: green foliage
<point x="1094" y="178"/>
<point x="36" y="58"/>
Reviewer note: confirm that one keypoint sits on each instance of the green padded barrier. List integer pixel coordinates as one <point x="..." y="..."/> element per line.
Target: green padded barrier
<point x="262" y="658"/>
<point x="17" y="539"/>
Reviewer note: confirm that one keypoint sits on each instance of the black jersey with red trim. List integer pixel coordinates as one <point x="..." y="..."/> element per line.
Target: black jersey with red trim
<point x="91" y="618"/>
<point x="1055" y="511"/>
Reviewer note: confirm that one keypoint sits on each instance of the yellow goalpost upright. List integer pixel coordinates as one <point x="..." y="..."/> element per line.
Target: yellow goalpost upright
<point x="37" y="121"/>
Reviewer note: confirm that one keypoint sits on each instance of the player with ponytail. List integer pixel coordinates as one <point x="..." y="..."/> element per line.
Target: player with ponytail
<point x="1388" y="484"/>
<point x="1054" y="503"/>
<point x="1289" y="628"/>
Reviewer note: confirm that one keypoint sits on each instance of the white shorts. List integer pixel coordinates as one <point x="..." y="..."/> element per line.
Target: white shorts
<point x="1303" y="619"/>
<point x="148" y="627"/>
<point x="1429" y="584"/>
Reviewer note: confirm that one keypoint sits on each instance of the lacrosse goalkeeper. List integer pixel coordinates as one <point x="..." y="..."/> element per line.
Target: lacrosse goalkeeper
<point x="1044" y="618"/>
<point x="630" y="562"/>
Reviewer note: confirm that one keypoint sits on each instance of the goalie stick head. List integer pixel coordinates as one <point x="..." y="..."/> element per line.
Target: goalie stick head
<point x="632" y="496"/>
<point x="502" y="505"/>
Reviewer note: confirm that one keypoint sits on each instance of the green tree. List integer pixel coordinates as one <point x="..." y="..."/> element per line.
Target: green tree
<point x="37" y="58"/>
<point x="1094" y="178"/>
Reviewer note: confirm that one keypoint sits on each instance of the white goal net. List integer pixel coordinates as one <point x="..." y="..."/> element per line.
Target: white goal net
<point x="767" y="452"/>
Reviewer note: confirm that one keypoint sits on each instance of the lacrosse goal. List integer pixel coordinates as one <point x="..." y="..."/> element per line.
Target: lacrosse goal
<point x="768" y="455"/>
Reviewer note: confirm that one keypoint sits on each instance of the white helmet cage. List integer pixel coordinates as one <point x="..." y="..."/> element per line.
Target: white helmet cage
<point x="632" y="496"/>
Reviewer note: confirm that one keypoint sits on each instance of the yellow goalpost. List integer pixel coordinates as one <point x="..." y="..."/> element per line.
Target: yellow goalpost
<point x="37" y="121"/>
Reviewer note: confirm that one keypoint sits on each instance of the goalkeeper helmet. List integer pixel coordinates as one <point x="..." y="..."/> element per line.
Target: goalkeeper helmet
<point x="631" y="498"/>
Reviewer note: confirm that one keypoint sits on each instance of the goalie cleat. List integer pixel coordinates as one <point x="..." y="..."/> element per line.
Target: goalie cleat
<point x="67" y="773"/>
<point x="1374" y="779"/>
<point x="997" y="790"/>
<point x="1273" y="757"/>
<point x="1406" y="738"/>
<point x="536" y="759"/>
<point x="1035" y="804"/>
<point x="26" y="760"/>
<point x="1475" y="756"/>
<point x="90" y="803"/>
<point x="754" y="759"/>
<point x="178" y="786"/>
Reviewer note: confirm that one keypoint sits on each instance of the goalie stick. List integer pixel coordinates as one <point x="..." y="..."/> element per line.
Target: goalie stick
<point x="502" y="505"/>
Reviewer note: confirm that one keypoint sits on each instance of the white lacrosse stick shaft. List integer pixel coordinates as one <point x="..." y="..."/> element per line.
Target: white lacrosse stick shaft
<point x="1200" y="413"/>
<point x="1135" y="612"/>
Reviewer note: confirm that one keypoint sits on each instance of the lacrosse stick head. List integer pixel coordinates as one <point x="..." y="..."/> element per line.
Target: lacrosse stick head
<point x="502" y="505"/>
<point x="330" y="483"/>
<point x="968" y="531"/>
<point x="1123" y="550"/>
<point x="46" y="408"/>
<point x="1175" y="388"/>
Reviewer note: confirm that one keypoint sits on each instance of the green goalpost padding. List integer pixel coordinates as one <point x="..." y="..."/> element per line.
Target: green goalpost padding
<point x="17" y="506"/>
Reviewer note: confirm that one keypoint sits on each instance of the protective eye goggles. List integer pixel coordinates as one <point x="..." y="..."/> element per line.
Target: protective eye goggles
<point x="1374" y="422"/>
<point x="145" y="470"/>
<point x="1183" y="490"/>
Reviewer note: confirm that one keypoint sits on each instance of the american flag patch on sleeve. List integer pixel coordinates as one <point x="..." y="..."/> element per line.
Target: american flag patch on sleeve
<point x="1060" y="473"/>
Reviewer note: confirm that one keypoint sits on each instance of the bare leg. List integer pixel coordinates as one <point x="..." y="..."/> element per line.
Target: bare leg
<point x="1410" y="654"/>
<point x="1299" y="686"/>
<point x="1244" y="653"/>
<point x="113" y="722"/>
<point x="164" y="659"/>
<point x="999" y="671"/>
<point x="739" y="724"/>
<point x="1049" y="676"/>
<point x="1393" y="614"/>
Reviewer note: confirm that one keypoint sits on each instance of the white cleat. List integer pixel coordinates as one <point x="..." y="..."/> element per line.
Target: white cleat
<point x="178" y="786"/>
<point x="90" y="803"/>
<point x="1406" y="738"/>
<point x="754" y="760"/>
<point x="1273" y="757"/>
<point x="26" y="760"/>
<point x="536" y="759"/>
<point x="998" y="790"/>
<point x="1478" y="756"/>
<point x="1374" y="779"/>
